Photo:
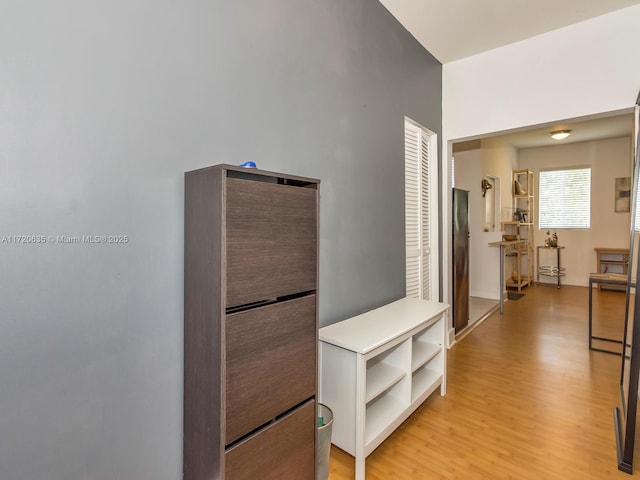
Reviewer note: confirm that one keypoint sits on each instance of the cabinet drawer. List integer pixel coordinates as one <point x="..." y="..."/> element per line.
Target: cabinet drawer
<point x="284" y="450"/>
<point x="270" y="362"/>
<point x="271" y="240"/>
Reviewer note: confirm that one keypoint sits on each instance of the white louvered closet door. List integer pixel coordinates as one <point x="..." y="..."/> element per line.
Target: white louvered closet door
<point x="418" y="232"/>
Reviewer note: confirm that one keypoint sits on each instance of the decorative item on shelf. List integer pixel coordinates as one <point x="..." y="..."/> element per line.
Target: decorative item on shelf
<point x="509" y="238"/>
<point x="547" y="239"/>
<point x="520" y="215"/>
<point x="514" y="278"/>
<point x="623" y="194"/>
<point x="553" y="243"/>
<point x="518" y="188"/>
<point x="486" y="185"/>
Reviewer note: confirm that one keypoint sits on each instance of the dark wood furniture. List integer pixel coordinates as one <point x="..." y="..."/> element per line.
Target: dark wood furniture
<point x="250" y="324"/>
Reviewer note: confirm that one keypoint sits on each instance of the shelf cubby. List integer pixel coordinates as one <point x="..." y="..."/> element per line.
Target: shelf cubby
<point x="423" y="381"/>
<point x="381" y="377"/>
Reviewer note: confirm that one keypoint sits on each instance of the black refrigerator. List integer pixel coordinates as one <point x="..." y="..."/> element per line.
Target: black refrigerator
<point x="460" y="259"/>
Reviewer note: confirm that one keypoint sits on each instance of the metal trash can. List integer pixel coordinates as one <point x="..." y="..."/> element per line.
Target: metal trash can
<point x="325" y="422"/>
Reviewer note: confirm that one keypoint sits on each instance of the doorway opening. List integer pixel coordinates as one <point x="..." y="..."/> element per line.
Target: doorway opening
<point x="495" y="156"/>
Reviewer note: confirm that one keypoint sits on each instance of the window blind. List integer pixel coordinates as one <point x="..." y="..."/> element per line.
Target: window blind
<point x="565" y="199"/>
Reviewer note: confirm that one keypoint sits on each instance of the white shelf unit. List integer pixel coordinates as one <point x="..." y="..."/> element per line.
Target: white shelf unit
<point x="378" y="367"/>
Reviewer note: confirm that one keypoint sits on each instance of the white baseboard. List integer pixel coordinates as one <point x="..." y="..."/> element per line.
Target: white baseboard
<point x="491" y="295"/>
<point x="451" y="338"/>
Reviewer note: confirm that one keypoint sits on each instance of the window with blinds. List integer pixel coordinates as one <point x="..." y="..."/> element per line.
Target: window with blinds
<point x="565" y="199"/>
<point x="419" y="235"/>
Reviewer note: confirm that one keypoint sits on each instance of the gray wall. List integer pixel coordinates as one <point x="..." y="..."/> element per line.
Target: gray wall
<point x="103" y="107"/>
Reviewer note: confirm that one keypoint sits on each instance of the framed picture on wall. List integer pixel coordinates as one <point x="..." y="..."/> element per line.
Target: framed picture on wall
<point x="623" y="194"/>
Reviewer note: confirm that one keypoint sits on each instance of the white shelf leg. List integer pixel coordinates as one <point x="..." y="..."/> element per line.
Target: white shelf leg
<point x="360" y="416"/>
<point x="443" y="362"/>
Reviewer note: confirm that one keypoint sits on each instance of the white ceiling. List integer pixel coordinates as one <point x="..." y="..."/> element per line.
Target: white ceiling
<point x="581" y="131"/>
<point x="455" y="29"/>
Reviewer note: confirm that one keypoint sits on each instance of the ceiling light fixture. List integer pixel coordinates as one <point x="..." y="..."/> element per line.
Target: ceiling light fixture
<point x="560" y="134"/>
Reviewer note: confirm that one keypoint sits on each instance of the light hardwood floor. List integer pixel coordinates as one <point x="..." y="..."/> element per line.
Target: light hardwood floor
<point x="526" y="399"/>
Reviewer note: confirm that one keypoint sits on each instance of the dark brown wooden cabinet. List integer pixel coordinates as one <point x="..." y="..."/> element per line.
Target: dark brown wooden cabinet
<point x="250" y="324"/>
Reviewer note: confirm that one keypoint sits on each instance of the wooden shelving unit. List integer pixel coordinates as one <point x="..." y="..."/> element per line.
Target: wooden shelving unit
<point x="612" y="260"/>
<point x="521" y="225"/>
